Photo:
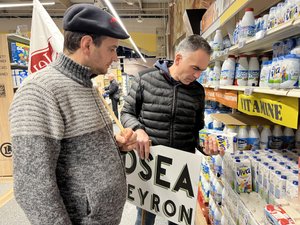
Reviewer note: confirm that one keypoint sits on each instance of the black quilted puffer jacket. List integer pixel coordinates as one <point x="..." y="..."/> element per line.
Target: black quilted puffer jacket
<point x="170" y="112"/>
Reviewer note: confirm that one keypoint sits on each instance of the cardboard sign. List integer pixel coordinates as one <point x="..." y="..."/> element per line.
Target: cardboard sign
<point x="166" y="184"/>
<point x="278" y="109"/>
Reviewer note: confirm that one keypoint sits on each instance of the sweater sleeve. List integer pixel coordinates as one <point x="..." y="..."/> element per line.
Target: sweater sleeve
<point x="37" y="128"/>
<point x="129" y="117"/>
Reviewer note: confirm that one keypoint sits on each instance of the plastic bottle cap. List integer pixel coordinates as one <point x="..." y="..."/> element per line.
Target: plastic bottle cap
<point x="278" y="172"/>
<point x="284" y="177"/>
<point x="231" y="56"/>
<point x="295" y="171"/>
<point x="271" y="167"/>
<point x="266" y="164"/>
<point x="295" y="182"/>
<point x="253" y="55"/>
<point x="243" y="56"/>
<point x="249" y="9"/>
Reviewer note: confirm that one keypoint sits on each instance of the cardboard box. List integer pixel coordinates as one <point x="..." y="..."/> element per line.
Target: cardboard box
<point x="240" y="119"/>
<point x="209" y="17"/>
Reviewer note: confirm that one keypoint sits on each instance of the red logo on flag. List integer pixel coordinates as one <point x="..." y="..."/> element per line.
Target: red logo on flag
<point x="41" y="58"/>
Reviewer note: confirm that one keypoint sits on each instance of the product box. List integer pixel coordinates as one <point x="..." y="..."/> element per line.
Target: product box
<point x="18" y="77"/>
<point x="239" y="119"/>
<point x="19" y="53"/>
<point x="208" y="17"/>
<point x="277" y="216"/>
<point x="226" y="141"/>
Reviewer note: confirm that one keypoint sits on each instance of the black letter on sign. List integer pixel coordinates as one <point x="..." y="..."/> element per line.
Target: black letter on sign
<point x="154" y="203"/>
<point x="184" y="182"/>
<point x="183" y="214"/>
<point x="129" y="192"/>
<point x="144" y="164"/>
<point x="160" y="170"/>
<point x="129" y="170"/>
<point x="142" y="196"/>
<point x="172" y="207"/>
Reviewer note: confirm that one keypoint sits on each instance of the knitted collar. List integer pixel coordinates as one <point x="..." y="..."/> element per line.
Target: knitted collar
<point x="80" y="74"/>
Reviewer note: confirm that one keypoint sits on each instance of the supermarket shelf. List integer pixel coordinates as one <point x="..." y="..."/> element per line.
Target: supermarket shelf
<point x="18" y="38"/>
<point x="263" y="90"/>
<point x="17" y="66"/>
<point x="265" y="42"/>
<point x="229" y="13"/>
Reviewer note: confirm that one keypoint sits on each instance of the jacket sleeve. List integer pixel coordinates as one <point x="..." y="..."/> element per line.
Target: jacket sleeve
<point x="37" y="128"/>
<point x="129" y="117"/>
<point x="113" y="88"/>
<point x="200" y="120"/>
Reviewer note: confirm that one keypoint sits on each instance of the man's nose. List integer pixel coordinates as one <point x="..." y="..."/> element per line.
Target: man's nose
<point x="197" y="74"/>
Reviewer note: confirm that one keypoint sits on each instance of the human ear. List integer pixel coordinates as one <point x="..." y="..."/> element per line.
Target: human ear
<point x="85" y="43"/>
<point x="178" y="58"/>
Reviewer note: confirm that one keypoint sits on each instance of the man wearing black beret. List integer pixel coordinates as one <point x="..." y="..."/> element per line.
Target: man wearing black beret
<point x="67" y="163"/>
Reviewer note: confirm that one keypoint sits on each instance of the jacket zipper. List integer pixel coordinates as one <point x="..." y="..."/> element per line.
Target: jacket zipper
<point x="173" y="115"/>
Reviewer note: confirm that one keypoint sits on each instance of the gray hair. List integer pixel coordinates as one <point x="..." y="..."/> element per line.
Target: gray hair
<point x="193" y="43"/>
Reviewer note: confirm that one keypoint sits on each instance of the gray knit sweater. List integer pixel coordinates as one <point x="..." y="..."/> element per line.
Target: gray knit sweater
<point x="67" y="166"/>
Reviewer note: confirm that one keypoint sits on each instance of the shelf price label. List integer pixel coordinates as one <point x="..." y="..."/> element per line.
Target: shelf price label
<point x="278" y="109"/>
<point x="241" y="44"/>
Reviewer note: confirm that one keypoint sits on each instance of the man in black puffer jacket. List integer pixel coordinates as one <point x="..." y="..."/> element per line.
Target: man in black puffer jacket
<point x="166" y="103"/>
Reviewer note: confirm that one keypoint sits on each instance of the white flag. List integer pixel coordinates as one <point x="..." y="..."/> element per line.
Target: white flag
<point x="46" y="40"/>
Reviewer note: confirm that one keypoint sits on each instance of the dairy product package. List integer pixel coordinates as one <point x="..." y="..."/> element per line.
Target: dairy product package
<point x="243" y="178"/>
<point x="226" y="141"/>
<point x="275" y="215"/>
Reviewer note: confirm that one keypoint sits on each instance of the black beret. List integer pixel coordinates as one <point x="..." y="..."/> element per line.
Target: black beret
<point x="86" y="18"/>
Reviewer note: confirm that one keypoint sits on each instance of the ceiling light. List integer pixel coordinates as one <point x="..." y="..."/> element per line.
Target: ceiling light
<point x="10" y="5"/>
<point x="113" y="11"/>
<point x="129" y="2"/>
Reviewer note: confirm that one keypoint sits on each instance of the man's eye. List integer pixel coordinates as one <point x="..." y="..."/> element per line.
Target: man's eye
<point x="197" y="69"/>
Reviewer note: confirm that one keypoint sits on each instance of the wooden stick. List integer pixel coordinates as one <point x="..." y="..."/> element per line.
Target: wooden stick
<point x="143" y="219"/>
<point x="110" y="111"/>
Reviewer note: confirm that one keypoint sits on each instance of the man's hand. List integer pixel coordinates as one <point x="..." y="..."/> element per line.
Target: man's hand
<point x="211" y="147"/>
<point x="143" y="144"/>
<point x="126" y="139"/>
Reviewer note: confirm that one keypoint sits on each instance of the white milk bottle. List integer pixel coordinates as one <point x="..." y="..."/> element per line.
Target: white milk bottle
<point x="253" y="138"/>
<point x="265" y="137"/>
<point x="248" y="24"/>
<point x="228" y="71"/>
<point x="276" y="140"/>
<point x="242" y="71"/>
<point x="297" y="139"/>
<point x="242" y="138"/>
<point x="288" y="138"/>
<point x="216" y="73"/>
<point x="253" y="73"/>
<point x="264" y="74"/>
<point x="218" y="41"/>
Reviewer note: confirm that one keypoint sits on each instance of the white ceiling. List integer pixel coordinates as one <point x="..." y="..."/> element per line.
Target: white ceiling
<point x="125" y="8"/>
